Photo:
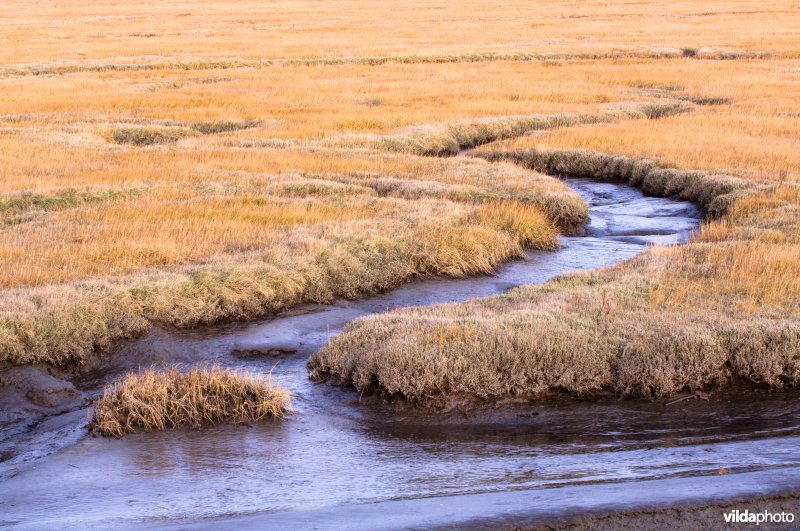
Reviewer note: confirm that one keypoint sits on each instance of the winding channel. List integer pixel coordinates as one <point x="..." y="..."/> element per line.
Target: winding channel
<point x="337" y="462"/>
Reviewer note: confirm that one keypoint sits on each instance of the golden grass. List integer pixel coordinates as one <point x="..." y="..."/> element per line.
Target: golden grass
<point x="241" y="159"/>
<point x="527" y="223"/>
<point x="119" y="238"/>
<point x="753" y="136"/>
<point x="449" y="139"/>
<point x="157" y="400"/>
<point x="746" y="263"/>
<point x="718" y="309"/>
<point x="698" y="316"/>
<point x="242" y="257"/>
<point x="584" y="334"/>
<point x="221" y="31"/>
<point x="303" y="101"/>
<point x="239" y="213"/>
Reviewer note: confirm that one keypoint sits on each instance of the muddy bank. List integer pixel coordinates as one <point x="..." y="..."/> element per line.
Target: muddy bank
<point x="29" y="395"/>
<point x="685" y="503"/>
<point x="686" y="516"/>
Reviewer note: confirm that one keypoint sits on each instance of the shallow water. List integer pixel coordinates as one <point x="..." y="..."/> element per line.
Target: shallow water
<point x="334" y="453"/>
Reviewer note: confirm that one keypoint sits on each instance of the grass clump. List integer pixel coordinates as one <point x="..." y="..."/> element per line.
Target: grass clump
<point x="223" y="126"/>
<point x="148" y="136"/>
<point x="157" y="400"/>
<point x="465" y="250"/>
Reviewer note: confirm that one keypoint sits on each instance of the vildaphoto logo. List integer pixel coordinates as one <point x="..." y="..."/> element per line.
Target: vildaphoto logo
<point x="764" y="517"/>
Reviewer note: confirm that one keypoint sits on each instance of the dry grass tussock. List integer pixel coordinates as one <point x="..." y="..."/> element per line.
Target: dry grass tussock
<point x="157" y="400"/>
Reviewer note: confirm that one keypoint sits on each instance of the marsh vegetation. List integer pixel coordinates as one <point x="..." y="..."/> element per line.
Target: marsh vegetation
<point x="140" y="187"/>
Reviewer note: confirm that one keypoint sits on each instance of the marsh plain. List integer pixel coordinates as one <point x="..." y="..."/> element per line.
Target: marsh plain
<point x="186" y="168"/>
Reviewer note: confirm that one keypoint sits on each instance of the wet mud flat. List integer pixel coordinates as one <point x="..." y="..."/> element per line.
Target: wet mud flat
<point x="334" y="463"/>
<point x="626" y="505"/>
<point x="702" y="516"/>
<point x="337" y="450"/>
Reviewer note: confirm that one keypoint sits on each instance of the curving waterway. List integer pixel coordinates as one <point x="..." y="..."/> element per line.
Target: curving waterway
<point x="338" y="462"/>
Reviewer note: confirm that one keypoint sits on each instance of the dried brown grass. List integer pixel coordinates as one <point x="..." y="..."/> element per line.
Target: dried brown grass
<point x="584" y="334"/>
<point x="157" y="400"/>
